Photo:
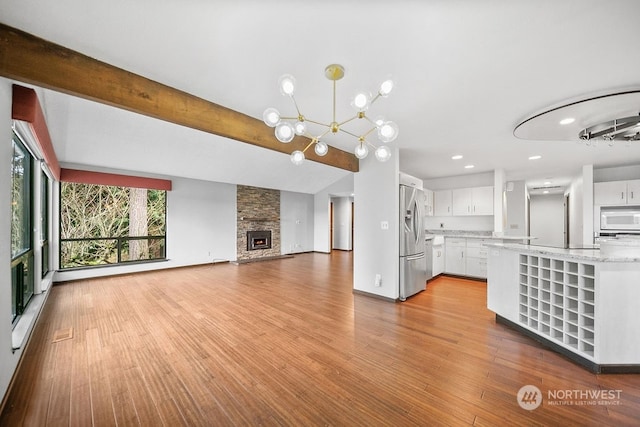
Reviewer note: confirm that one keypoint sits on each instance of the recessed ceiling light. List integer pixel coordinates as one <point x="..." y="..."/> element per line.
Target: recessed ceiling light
<point x="545" y="192"/>
<point x="567" y="121"/>
<point x="547" y="183"/>
<point x="456" y="157"/>
<point x="535" y="157"/>
<point x="468" y="166"/>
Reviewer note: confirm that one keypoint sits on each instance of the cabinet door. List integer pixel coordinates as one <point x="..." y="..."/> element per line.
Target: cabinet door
<point x="454" y="256"/>
<point x="482" y="200"/>
<point x="462" y="201"/>
<point x="633" y="192"/>
<point x="442" y="202"/>
<point x="438" y="260"/>
<point x="477" y="267"/>
<point x="610" y="193"/>
<point x="428" y="203"/>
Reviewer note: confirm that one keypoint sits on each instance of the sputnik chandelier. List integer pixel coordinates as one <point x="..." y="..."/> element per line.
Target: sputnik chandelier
<point x="287" y="127"/>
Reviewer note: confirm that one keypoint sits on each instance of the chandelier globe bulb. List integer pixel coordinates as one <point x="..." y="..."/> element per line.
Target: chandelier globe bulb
<point x="297" y="157"/>
<point x="321" y="148"/>
<point x="388" y="132"/>
<point x="383" y="153"/>
<point x="271" y="117"/>
<point x="361" y="151"/>
<point x="287" y="84"/>
<point x="285" y="132"/>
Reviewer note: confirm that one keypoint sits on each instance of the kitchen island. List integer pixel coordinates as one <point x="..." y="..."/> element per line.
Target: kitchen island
<point x="576" y="301"/>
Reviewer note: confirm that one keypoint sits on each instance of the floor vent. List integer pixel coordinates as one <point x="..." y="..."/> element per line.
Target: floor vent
<point x="63" y="334"/>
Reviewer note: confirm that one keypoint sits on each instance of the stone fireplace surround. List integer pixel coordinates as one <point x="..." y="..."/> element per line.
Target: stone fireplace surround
<point x="258" y="209"/>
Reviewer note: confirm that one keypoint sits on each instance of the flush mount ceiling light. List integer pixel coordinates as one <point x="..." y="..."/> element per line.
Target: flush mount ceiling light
<point x="607" y="116"/>
<point x="624" y="129"/>
<point x="286" y="128"/>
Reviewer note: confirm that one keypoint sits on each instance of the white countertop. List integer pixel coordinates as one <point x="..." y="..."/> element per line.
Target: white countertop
<point x="579" y="254"/>
<point x="475" y="235"/>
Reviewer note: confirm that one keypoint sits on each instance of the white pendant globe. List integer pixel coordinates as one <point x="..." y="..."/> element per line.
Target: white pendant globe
<point x="361" y="151"/>
<point x="383" y="153"/>
<point x="287" y="84"/>
<point x="300" y="128"/>
<point x="386" y="87"/>
<point x="271" y="117"/>
<point x="285" y="132"/>
<point x="321" y="148"/>
<point x="388" y="132"/>
<point x="297" y="157"/>
<point x="361" y="101"/>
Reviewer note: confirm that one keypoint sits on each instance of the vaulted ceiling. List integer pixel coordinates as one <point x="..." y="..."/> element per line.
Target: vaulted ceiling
<point x="467" y="73"/>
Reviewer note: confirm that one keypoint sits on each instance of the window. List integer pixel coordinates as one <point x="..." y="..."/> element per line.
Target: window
<point x="22" y="280"/>
<point x="44" y="222"/>
<point x="106" y="225"/>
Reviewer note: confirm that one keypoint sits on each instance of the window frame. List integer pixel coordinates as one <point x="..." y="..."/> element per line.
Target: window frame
<point x="120" y="239"/>
<point x="23" y="279"/>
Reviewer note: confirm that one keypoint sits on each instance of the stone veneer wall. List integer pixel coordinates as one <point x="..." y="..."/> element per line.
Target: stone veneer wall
<point x="258" y="209"/>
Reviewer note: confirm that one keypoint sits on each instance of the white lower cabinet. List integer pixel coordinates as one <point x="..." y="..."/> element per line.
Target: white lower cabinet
<point x="438" y="260"/>
<point x="466" y="256"/>
<point x="476" y="263"/>
<point x="454" y="256"/>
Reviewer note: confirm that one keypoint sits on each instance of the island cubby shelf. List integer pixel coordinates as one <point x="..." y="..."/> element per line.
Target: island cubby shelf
<point x="575" y="302"/>
<point x="557" y="299"/>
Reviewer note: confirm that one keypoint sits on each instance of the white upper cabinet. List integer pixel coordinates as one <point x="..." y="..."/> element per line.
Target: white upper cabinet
<point x="428" y="202"/>
<point x="482" y="200"/>
<point x="473" y="201"/>
<point x="633" y="192"/>
<point x="442" y="203"/>
<point x="616" y="192"/>
<point x="462" y="201"/>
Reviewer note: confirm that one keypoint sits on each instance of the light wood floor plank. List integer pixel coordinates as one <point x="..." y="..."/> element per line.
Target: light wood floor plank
<point x="287" y="342"/>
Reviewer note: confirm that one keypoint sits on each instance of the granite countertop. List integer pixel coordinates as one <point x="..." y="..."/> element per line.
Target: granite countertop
<point x="578" y="254"/>
<point x="465" y="234"/>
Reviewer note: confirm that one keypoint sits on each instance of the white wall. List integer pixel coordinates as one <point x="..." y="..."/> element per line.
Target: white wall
<point x="517" y="212"/>
<point x="321" y="233"/>
<point x="547" y="219"/>
<point x="296" y="222"/>
<point x="620" y="173"/>
<point x="576" y="220"/>
<point x="499" y="207"/>
<point x="342" y="223"/>
<point x="460" y="181"/>
<point x="587" y="204"/>
<point x="201" y="228"/>
<point x="376" y="250"/>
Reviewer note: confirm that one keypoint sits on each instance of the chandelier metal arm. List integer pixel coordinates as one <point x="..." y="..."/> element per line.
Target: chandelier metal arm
<point x="313" y="141"/>
<point x="287" y="127"/>
<point x="317" y="123"/>
<point x="349" y="120"/>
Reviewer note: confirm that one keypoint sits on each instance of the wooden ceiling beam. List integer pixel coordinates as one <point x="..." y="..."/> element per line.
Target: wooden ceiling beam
<point x="27" y="58"/>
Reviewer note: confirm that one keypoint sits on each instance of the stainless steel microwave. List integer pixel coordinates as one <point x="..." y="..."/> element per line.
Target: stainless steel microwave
<point x="620" y="218"/>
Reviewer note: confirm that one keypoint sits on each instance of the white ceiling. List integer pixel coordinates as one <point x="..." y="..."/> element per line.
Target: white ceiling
<point x="467" y="73"/>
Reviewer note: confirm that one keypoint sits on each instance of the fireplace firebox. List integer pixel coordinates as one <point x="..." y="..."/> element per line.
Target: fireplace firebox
<point x="258" y="240"/>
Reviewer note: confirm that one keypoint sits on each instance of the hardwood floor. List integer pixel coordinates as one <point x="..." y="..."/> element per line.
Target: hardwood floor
<point x="286" y="342"/>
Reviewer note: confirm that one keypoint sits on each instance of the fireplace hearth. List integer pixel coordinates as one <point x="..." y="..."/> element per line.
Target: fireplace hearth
<point x="257" y="240"/>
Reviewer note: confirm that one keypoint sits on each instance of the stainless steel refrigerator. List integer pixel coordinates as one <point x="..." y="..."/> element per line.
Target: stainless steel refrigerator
<point x="413" y="262"/>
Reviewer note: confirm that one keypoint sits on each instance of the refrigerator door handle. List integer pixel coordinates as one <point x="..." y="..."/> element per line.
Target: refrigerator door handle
<point x="415" y="257"/>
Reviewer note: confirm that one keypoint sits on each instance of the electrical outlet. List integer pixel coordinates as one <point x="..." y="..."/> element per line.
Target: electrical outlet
<point x="384" y="225"/>
<point x="378" y="280"/>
